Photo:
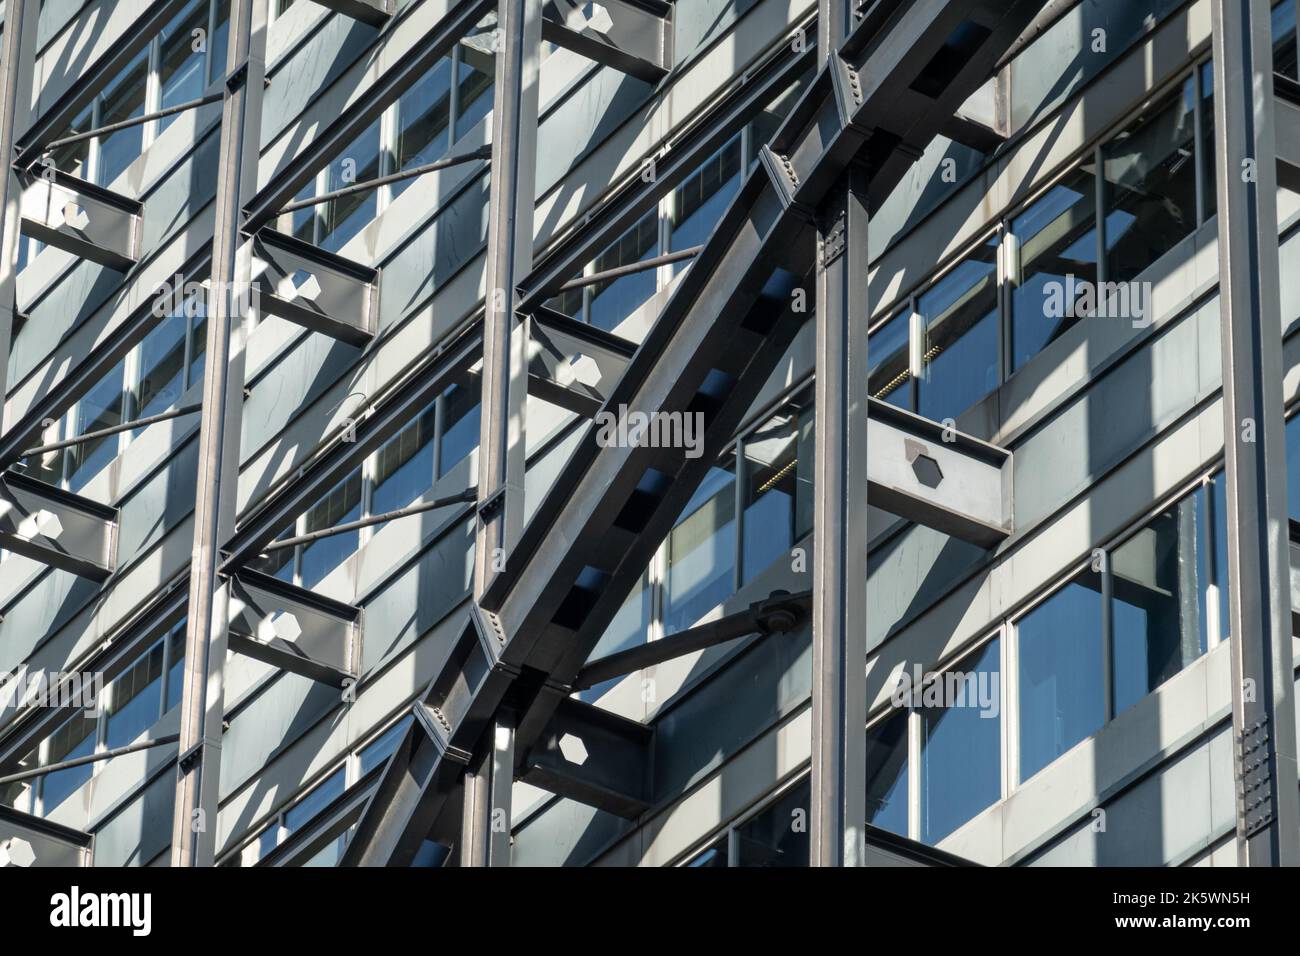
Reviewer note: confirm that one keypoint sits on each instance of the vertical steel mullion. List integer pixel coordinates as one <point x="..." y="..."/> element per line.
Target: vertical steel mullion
<point x="839" y="705"/>
<point x="1099" y="203"/>
<point x="19" y="51"/>
<point x="1263" y="705"/>
<point x="740" y="473"/>
<point x="202" y="700"/>
<point x="1198" y="142"/>
<point x="1107" y="639"/>
<point x="509" y="257"/>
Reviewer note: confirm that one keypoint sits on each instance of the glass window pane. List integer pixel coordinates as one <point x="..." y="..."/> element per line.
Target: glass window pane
<point x="1056" y="238"/>
<point x="1150" y="173"/>
<point x="100" y="408"/>
<point x="699" y="202"/>
<point x="460" y="427"/>
<point x="135" y="699"/>
<point x="404" y="470"/>
<point x="1061" y="689"/>
<point x="162" y="367"/>
<point x="346" y="216"/>
<point x="778" y="835"/>
<point x="712" y="856"/>
<point x="381" y="748"/>
<point x="961" y="747"/>
<point x="701" y="551"/>
<point x="614" y="300"/>
<point x="961" y="328"/>
<point x="778" y="480"/>
<point x="308" y="807"/>
<point x="74" y="739"/>
<point x="423" y="113"/>
<point x="176" y="670"/>
<point x="1284" y="45"/>
<point x="73" y="157"/>
<point x="475" y="93"/>
<point x="277" y="562"/>
<point x="341" y="505"/>
<point x="1210" y="197"/>
<point x="181" y="70"/>
<point x="123" y="100"/>
<point x="628" y="629"/>
<point x="888" y="358"/>
<point x="887" y="774"/>
<point x="1157" y="579"/>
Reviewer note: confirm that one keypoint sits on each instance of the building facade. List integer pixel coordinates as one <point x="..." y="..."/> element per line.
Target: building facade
<point x="464" y="610"/>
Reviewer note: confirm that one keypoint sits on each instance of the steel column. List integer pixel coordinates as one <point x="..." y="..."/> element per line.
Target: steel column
<point x="839" y="618"/>
<point x="15" y="112"/>
<point x="509" y="258"/>
<point x="1263" y="705"/>
<point x="485" y="824"/>
<point x="202" y="701"/>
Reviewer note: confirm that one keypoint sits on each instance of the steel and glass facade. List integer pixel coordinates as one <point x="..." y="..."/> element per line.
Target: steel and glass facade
<point x="314" y="312"/>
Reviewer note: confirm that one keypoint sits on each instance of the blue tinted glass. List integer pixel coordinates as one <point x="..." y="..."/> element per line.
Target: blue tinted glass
<point x="423" y="114"/>
<point x="1157" y="581"/>
<point x="887" y="775"/>
<point x="701" y="552"/>
<point x="341" y="506"/>
<point x="313" y="803"/>
<point x="771" y="488"/>
<point x="404" y="470"/>
<point x="475" y="89"/>
<point x="381" y="748"/>
<point x="74" y="739"/>
<point x="961" y="747"/>
<point x="628" y="629"/>
<point x="613" y="301"/>
<point x="100" y="408"/>
<point x="136" y="697"/>
<point x="1293" y="467"/>
<point x="460" y="427"/>
<point x="700" y="201"/>
<point x="961" y="321"/>
<point x="1061" y="699"/>
<point x="162" y="367"/>
<point x="888" y="356"/>
<point x="348" y="215"/>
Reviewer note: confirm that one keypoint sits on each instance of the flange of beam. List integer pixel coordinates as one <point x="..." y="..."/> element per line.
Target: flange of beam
<point x="573" y="364"/>
<point x="57" y="527"/>
<point x="86" y="220"/>
<point x="632" y="36"/>
<point x="295" y="629"/>
<point x="373" y="12"/>
<point x="316" y="289"/>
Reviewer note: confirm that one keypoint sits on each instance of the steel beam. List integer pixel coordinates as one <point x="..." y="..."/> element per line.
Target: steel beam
<point x="485" y="821"/>
<point x="86" y="220"/>
<point x="1286" y="130"/>
<point x="295" y="629"/>
<point x="511" y="199"/>
<point x="839" y="560"/>
<point x="632" y="36"/>
<point x="47" y="843"/>
<point x="573" y="364"/>
<point x="57" y="528"/>
<point x="17" y="64"/>
<point x="595" y="757"/>
<point x="777" y="614"/>
<point x="1263" y="694"/>
<point x="722" y="332"/>
<point x="372" y="12"/>
<point x="938" y="477"/>
<point x="202" y="699"/>
<point x="316" y="289"/>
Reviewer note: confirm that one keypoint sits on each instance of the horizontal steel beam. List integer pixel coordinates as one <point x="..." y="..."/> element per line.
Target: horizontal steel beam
<point x="573" y="364"/>
<point x="777" y="614"/>
<point x="632" y="36"/>
<point x="57" y="527"/>
<point x="595" y="757"/>
<point x="316" y="289"/>
<point x="938" y="477"/>
<point x="40" y="842"/>
<point x="86" y="220"/>
<point x="373" y="12"/>
<point x="295" y="629"/>
<point x="1286" y="131"/>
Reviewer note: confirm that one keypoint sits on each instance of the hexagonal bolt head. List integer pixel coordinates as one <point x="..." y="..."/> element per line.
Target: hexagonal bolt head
<point x="579" y="368"/>
<point x="302" y="284"/>
<point x="925" y="468"/>
<point x="42" y="523"/>
<point x="286" y="627"/>
<point x="17" y="852"/>
<point x="597" y="18"/>
<point x="573" y="749"/>
<point x="75" y="215"/>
